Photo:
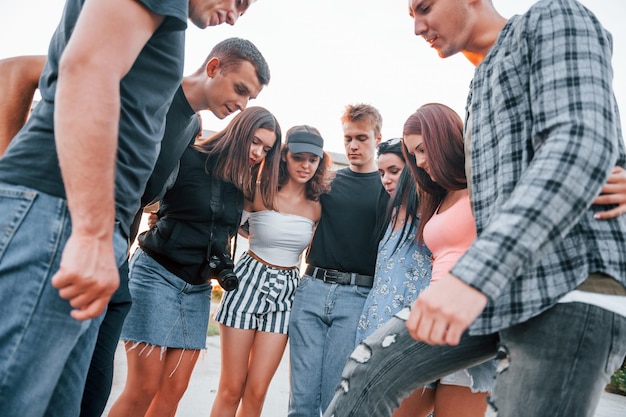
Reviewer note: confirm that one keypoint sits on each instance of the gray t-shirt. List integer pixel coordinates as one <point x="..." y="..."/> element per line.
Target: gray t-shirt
<point x="146" y="92"/>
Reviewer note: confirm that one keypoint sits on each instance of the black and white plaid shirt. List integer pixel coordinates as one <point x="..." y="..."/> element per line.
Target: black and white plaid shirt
<point x="545" y="134"/>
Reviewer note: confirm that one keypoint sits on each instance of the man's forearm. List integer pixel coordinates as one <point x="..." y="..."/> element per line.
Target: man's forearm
<point x="86" y="146"/>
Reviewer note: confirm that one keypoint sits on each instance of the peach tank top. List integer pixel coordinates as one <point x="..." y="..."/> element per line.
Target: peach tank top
<point x="448" y="235"/>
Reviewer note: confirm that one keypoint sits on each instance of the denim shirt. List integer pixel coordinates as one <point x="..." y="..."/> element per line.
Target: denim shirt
<point x="545" y="134"/>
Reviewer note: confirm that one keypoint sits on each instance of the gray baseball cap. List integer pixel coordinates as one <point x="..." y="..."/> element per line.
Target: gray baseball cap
<point x="299" y="142"/>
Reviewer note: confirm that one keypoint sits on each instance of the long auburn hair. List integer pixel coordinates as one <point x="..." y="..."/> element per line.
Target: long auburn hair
<point x="231" y="147"/>
<point x="442" y="131"/>
<point x="320" y="182"/>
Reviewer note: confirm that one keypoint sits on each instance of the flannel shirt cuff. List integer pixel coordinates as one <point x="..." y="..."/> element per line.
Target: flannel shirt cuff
<point x="483" y="272"/>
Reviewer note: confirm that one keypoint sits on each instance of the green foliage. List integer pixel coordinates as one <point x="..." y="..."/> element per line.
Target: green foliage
<point x="213" y="329"/>
<point x="217" y="293"/>
<point x="216" y="298"/>
<point x="617" y="385"/>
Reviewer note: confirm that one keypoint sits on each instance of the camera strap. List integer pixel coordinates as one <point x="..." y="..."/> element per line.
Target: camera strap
<point x="217" y="206"/>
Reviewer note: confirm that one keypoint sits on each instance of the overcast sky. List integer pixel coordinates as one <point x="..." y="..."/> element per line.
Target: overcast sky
<point x="324" y="54"/>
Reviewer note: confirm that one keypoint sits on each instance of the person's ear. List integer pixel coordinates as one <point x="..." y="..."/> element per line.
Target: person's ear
<point x="212" y="67"/>
<point x="379" y="137"/>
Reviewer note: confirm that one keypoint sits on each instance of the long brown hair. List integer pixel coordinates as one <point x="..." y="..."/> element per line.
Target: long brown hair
<point x="320" y="182"/>
<point x="231" y="147"/>
<point x="442" y="131"/>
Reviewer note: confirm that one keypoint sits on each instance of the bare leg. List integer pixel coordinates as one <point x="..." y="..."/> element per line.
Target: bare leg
<point x="419" y="404"/>
<point x="265" y="355"/>
<point x="454" y="401"/>
<point x="179" y="364"/>
<point x="235" y="346"/>
<point x="145" y="367"/>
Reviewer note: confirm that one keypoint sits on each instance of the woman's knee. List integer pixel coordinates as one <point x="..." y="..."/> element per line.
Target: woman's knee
<point x="232" y="391"/>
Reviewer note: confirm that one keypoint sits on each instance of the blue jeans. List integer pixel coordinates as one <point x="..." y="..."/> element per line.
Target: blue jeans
<point x="322" y="329"/>
<point x="100" y="375"/>
<point x="558" y="363"/>
<point x="43" y="350"/>
<point x="555" y="364"/>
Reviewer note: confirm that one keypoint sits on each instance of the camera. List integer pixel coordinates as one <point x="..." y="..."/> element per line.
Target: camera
<point x="220" y="266"/>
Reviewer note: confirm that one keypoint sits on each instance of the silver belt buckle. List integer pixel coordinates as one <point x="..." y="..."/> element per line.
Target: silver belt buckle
<point x="330" y="274"/>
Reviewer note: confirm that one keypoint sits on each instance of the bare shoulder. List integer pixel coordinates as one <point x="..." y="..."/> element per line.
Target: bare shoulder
<point x="317" y="211"/>
<point x="257" y="204"/>
<point x="311" y="210"/>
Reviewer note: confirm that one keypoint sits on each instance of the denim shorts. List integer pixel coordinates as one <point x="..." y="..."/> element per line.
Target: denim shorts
<point x="479" y="378"/>
<point x="166" y="311"/>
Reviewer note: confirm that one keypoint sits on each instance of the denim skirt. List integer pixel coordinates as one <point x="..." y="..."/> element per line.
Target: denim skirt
<point x="166" y="311"/>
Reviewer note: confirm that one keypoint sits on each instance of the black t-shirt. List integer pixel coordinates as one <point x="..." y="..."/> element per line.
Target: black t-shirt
<point x="146" y="93"/>
<point x="187" y="222"/>
<point x="181" y="128"/>
<point x="346" y="237"/>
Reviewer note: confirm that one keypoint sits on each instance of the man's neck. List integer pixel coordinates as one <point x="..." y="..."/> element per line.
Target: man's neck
<point x="364" y="169"/>
<point x="490" y="28"/>
<point x="191" y="88"/>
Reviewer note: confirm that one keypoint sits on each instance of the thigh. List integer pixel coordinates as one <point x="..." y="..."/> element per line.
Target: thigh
<point x="66" y="398"/>
<point x="419" y="404"/>
<point x="559" y="362"/>
<point x="388" y="365"/>
<point x="307" y="322"/>
<point x="236" y="345"/>
<point x="456" y="400"/>
<point x="33" y="314"/>
<point x="307" y="333"/>
<point x="100" y="375"/>
<point x="145" y="366"/>
<point x="179" y="364"/>
<point x="267" y="352"/>
<point x="347" y="304"/>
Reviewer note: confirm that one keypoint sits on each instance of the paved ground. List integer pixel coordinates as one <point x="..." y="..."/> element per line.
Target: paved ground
<point x="201" y="392"/>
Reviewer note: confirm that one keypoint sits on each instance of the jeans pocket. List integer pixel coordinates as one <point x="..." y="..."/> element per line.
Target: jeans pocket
<point x="15" y="204"/>
<point x="362" y="291"/>
<point x="304" y="281"/>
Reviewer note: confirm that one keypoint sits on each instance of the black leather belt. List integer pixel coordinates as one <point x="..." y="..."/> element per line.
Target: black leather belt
<point x="338" y="277"/>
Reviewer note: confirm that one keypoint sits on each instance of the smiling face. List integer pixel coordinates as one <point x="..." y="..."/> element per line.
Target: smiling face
<point x="229" y="92"/>
<point x="415" y="145"/>
<point x="444" y="24"/>
<point x="262" y="143"/>
<point x="390" y="167"/>
<point x="301" y="167"/>
<point x="203" y="13"/>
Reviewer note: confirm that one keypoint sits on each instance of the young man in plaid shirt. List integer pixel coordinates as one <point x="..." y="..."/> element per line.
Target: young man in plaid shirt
<point x="544" y="284"/>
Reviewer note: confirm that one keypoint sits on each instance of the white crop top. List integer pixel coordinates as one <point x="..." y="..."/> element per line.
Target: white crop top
<point x="279" y="238"/>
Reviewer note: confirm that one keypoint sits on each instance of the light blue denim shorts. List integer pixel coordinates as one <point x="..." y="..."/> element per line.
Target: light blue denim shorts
<point x="166" y="310"/>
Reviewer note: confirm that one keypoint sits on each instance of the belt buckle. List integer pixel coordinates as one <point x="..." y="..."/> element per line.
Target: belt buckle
<point x="329" y="274"/>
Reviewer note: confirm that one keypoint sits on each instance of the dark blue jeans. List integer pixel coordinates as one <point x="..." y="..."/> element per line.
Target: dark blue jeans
<point x="555" y="364"/>
<point x="100" y="375"/>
